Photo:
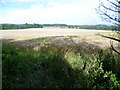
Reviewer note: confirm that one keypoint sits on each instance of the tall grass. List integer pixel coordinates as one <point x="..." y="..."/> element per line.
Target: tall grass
<point x="54" y="67"/>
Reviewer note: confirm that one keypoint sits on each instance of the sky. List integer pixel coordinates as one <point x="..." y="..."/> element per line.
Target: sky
<point x="71" y="12"/>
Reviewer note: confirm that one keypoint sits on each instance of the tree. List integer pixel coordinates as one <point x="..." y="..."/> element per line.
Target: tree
<point x="109" y="10"/>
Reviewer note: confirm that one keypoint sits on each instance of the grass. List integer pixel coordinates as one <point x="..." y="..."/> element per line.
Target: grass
<point x="60" y="67"/>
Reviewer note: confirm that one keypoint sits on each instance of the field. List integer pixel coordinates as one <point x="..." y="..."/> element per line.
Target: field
<point x="59" y="58"/>
<point x="43" y="32"/>
<point x="54" y="35"/>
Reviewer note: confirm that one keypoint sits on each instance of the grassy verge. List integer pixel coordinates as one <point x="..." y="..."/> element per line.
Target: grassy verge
<point x="54" y="66"/>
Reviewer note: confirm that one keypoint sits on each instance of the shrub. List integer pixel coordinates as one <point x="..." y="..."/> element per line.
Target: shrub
<point x="53" y="67"/>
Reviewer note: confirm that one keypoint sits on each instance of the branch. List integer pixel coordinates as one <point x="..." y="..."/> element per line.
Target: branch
<point x="110" y="21"/>
<point x="117" y="11"/>
<point x="110" y="17"/>
<point x="109" y="37"/>
<point x="117" y="22"/>
<point x="115" y="19"/>
<point x="118" y="32"/>
<point x="114" y="3"/>
<point x="112" y="48"/>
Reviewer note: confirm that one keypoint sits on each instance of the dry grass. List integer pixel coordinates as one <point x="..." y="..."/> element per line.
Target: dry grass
<point x="35" y="37"/>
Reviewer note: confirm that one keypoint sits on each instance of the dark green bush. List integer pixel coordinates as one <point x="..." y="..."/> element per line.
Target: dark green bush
<point x="53" y="67"/>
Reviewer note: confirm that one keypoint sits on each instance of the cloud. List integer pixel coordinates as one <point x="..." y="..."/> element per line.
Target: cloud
<point x="19" y="0"/>
<point x="46" y="11"/>
<point x="41" y="0"/>
<point x="2" y="2"/>
<point x="55" y="13"/>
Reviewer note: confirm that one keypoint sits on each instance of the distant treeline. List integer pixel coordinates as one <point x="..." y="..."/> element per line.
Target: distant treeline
<point x="55" y="25"/>
<point x="97" y="27"/>
<point x="25" y="26"/>
<point x="20" y="26"/>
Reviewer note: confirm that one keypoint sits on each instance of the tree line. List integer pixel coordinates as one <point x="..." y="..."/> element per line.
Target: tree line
<point x="20" y="26"/>
<point x="97" y="27"/>
<point x="25" y="26"/>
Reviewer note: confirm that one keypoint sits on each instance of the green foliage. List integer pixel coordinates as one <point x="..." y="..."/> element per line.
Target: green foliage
<point x="104" y="80"/>
<point x="55" y="25"/>
<point x="25" y="26"/>
<point x="20" y="26"/>
<point x="53" y="67"/>
<point x="96" y="27"/>
<point x="17" y="66"/>
<point x="111" y="62"/>
<point x="111" y="81"/>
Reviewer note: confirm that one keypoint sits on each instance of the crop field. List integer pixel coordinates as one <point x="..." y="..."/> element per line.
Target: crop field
<point x="43" y="32"/>
<point x="54" y="35"/>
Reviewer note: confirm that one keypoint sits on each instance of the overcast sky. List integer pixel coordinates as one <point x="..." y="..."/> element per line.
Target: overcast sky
<point x="72" y="12"/>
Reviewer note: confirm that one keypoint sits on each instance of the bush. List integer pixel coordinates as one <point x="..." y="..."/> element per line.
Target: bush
<point x="53" y="67"/>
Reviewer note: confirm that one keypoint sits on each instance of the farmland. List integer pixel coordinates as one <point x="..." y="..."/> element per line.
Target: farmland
<point x="27" y="34"/>
<point x="54" y="58"/>
<point x="60" y="44"/>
